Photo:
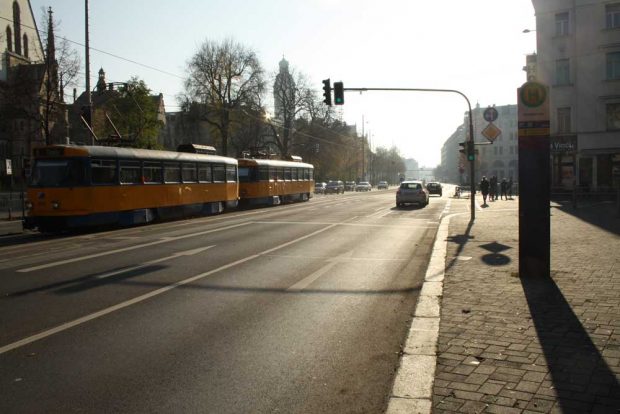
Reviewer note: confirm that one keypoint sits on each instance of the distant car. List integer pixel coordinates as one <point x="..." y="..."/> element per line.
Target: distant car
<point x="434" y="188"/>
<point x="383" y="185"/>
<point x="334" y="187"/>
<point x="411" y="192"/>
<point x="319" y="188"/>
<point x="349" y="186"/>
<point x="363" y="186"/>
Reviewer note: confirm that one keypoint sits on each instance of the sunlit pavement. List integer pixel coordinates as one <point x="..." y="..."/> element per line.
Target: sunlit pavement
<point x="511" y="343"/>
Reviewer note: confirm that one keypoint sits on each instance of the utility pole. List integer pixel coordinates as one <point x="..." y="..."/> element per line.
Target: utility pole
<point x="363" y="161"/>
<point x="89" y="101"/>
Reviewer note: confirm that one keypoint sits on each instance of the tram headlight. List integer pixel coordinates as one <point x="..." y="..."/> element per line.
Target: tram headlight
<point x="55" y="205"/>
<point x="28" y="204"/>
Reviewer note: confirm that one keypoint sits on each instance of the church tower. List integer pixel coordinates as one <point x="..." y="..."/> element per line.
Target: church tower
<point x="284" y="93"/>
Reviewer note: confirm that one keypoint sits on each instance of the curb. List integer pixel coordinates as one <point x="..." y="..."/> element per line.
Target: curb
<point x="412" y="391"/>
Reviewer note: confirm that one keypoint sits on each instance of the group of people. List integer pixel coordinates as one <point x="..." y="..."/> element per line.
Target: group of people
<point x="491" y="188"/>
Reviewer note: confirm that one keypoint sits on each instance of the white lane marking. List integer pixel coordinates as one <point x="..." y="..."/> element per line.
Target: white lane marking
<point x="125" y="249"/>
<point x="327" y="258"/>
<point x="152" y="262"/>
<point x="379" y="213"/>
<point x="149" y="295"/>
<point x="306" y="281"/>
<point x="303" y="283"/>
<point x="397" y="226"/>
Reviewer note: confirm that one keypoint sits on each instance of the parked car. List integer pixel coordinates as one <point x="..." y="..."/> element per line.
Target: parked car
<point x="319" y="188"/>
<point x="363" y="186"/>
<point x="383" y="185"/>
<point x="349" y="186"/>
<point x="334" y="187"/>
<point x="411" y="192"/>
<point x="434" y="188"/>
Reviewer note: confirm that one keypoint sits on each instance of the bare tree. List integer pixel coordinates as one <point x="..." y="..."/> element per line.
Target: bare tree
<point x="293" y="97"/>
<point x="224" y="77"/>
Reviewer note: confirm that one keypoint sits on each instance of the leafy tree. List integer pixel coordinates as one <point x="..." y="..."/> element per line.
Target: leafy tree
<point x="134" y="113"/>
<point x="225" y="77"/>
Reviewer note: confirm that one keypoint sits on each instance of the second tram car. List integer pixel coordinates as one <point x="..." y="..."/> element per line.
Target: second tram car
<point x="81" y="186"/>
<point x="271" y="182"/>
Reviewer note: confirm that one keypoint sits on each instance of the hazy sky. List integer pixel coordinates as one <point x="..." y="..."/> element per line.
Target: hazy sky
<point x="475" y="46"/>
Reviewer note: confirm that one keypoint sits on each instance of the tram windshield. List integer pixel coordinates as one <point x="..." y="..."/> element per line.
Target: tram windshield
<point x="57" y="173"/>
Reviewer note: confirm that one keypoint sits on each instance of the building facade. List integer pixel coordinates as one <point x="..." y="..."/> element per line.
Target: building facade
<point x="32" y="112"/>
<point x="578" y="56"/>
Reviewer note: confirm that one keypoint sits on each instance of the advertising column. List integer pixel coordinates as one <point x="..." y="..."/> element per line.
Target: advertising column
<point x="534" y="180"/>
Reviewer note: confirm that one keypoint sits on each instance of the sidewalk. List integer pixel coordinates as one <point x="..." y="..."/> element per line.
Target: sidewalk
<point x="513" y="344"/>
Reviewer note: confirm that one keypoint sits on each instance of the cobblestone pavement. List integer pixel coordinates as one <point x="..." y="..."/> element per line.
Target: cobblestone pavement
<point x="511" y="344"/>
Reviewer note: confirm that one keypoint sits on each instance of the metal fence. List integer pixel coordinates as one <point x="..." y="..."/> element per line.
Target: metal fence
<point x="11" y="205"/>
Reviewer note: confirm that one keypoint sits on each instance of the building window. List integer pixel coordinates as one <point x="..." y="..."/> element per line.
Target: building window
<point x="25" y="45"/>
<point x="563" y="120"/>
<point x="612" y="15"/>
<point x="562" y="72"/>
<point x="17" y="26"/>
<point x="561" y="24"/>
<point x="9" y="39"/>
<point x="613" y="65"/>
<point x="501" y="150"/>
<point x="613" y="117"/>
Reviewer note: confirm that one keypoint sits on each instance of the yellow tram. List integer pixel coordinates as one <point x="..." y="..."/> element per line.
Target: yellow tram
<point x="271" y="182"/>
<point x="80" y="186"/>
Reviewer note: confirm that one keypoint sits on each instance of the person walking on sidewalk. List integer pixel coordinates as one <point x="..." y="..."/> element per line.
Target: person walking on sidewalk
<point x="493" y="188"/>
<point x="504" y="189"/>
<point x="484" y="189"/>
<point x="509" y="188"/>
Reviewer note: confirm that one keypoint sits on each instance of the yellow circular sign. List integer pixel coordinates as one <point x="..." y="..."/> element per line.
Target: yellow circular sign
<point x="533" y="94"/>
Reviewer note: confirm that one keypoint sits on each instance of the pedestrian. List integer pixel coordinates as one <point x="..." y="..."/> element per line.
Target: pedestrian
<point x="493" y="188"/>
<point x="484" y="189"/>
<point x="509" y="189"/>
<point x="504" y="189"/>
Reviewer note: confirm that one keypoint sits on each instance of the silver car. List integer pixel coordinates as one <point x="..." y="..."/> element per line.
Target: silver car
<point x="412" y="192"/>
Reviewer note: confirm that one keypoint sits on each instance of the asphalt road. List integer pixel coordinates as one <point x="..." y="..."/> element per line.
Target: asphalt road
<point x="299" y="308"/>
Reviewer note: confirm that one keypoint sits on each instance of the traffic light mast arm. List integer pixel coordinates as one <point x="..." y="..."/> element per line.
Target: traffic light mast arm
<point x="472" y="178"/>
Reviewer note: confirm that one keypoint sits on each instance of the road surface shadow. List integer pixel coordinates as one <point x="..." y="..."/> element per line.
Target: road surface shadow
<point x="581" y="377"/>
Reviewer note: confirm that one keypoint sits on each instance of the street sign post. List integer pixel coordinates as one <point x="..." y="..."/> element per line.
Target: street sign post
<point x="490" y="114"/>
<point x="534" y="185"/>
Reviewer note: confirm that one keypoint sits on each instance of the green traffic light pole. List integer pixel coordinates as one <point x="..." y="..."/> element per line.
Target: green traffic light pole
<point x="472" y="179"/>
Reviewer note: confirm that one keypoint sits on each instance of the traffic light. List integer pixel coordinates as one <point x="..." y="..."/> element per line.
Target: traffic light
<point x="471" y="155"/>
<point x="467" y="148"/>
<point x="327" y="92"/>
<point x="338" y="93"/>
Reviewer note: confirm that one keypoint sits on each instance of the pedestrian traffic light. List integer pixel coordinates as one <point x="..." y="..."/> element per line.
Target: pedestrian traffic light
<point x="338" y="93"/>
<point x="327" y="92"/>
<point x="462" y="145"/>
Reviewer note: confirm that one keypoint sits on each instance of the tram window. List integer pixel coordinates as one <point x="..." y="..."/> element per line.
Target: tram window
<point x="279" y="174"/>
<point x="306" y="174"/>
<point x="231" y="173"/>
<point x="246" y="174"/>
<point x="172" y="172"/>
<point x="204" y="173"/>
<point x="219" y="173"/>
<point x="152" y="172"/>
<point x="287" y="174"/>
<point x="189" y="172"/>
<point x="103" y="172"/>
<point x="311" y="174"/>
<point x="130" y="172"/>
<point x="263" y="173"/>
<point x="273" y="174"/>
<point x="294" y="174"/>
<point x="57" y="173"/>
